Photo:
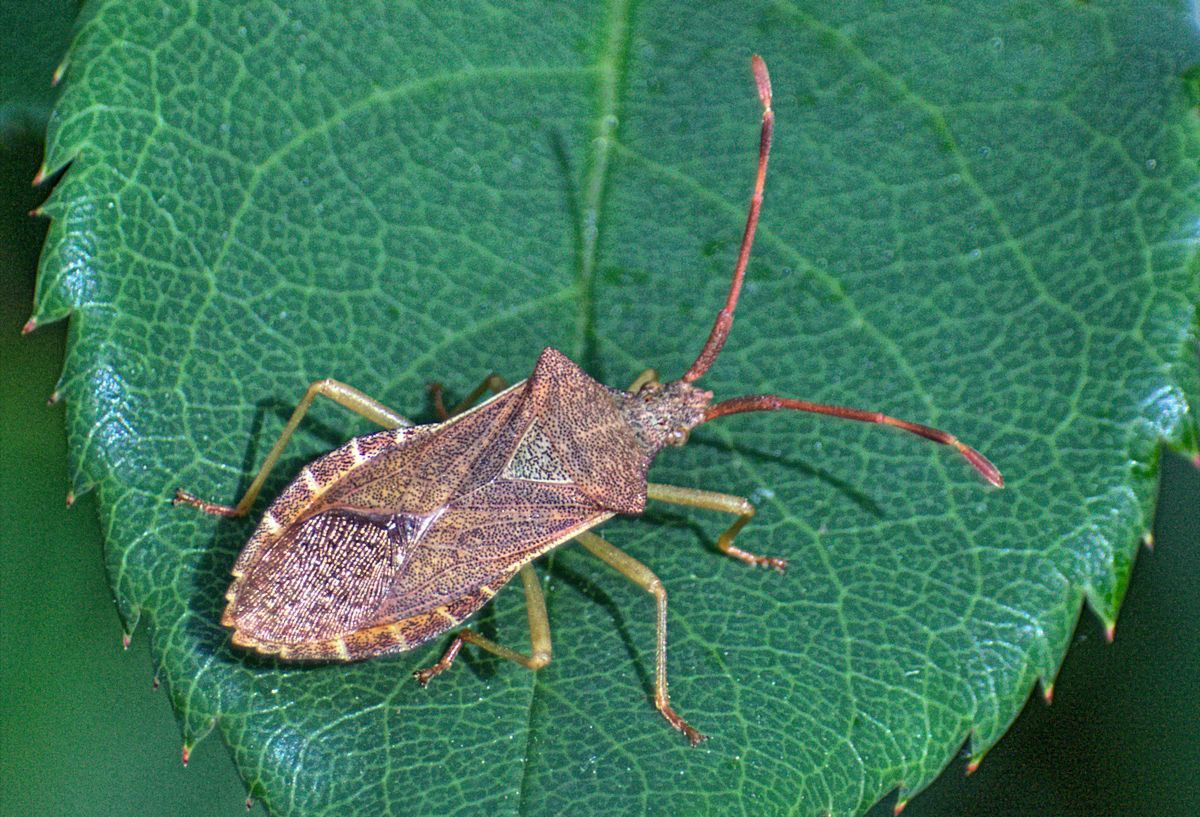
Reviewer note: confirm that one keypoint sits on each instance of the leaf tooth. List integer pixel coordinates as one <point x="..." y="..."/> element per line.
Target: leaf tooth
<point x="976" y="752"/>
<point x="129" y="621"/>
<point x="194" y="729"/>
<point x="61" y="70"/>
<point x="1047" y="685"/>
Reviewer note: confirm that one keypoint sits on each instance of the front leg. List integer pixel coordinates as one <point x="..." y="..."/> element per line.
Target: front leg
<point x="346" y="396"/>
<point x="726" y="503"/>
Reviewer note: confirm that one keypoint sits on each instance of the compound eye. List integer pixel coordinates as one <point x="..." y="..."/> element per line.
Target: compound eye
<point x="677" y="436"/>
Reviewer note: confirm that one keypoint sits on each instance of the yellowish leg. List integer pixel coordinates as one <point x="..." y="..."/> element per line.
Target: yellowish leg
<point x="539" y="635"/>
<point x="644" y="578"/>
<point x="493" y="383"/>
<point x="725" y="503"/>
<point x="345" y="396"/>
<point x="648" y="376"/>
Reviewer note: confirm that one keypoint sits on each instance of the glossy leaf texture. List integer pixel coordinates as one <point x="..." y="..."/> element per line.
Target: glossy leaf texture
<point x="981" y="217"/>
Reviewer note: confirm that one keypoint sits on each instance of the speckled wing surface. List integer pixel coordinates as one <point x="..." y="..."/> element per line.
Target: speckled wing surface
<point x="399" y="535"/>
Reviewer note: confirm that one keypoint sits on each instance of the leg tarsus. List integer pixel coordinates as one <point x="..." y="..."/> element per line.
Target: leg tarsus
<point x="695" y="738"/>
<point x="437" y="393"/>
<point x="725" y="545"/>
<point x="424" y="676"/>
<point x="182" y="497"/>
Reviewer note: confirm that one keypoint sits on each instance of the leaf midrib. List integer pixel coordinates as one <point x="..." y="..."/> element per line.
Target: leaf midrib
<point x="610" y="67"/>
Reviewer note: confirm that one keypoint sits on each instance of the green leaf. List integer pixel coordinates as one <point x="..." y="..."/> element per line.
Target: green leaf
<point x="981" y="218"/>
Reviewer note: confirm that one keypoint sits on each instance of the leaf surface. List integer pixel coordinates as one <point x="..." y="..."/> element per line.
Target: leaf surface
<point x="981" y="218"/>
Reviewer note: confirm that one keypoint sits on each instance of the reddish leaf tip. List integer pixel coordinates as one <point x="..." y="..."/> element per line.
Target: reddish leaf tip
<point x="1110" y="632"/>
<point x="973" y="764"/>
<point x="70" y="498"/>
<point x="186" y="754"/>
<point x="1048" y="694"/>
<point x="29" y="326"/>
<point x="899" y="807"/>
<point x="126" y="638"/>
<point x="39" y="177"/>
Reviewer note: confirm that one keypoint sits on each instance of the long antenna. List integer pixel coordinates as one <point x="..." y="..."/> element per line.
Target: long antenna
<point x="770" y="402"/>
<point x="720" y="330"/>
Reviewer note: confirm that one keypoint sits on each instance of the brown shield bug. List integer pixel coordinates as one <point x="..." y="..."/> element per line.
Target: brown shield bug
<point x="400" y="535"/>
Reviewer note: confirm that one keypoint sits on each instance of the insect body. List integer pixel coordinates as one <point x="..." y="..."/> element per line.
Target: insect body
<point x="400" y="535"/>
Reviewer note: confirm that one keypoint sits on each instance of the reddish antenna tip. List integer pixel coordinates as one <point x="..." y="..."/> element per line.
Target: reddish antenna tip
<point x="772" y="402"/>
<point x="762" y="79"/>
<point x="724" y="320"/>
<point x="981" y="464"/>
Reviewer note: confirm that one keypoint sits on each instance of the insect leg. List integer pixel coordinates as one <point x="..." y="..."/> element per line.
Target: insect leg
<point x="642" y="576"/>
<point x="726" y="503"/>
<point x="539" y="635"/>
<point x="493" y="383"/>
<point x="648" y="376"/>
<point x="345" y="396"/>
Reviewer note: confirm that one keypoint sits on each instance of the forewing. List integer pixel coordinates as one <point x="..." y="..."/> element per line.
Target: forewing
<point x="484" y="536"/>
